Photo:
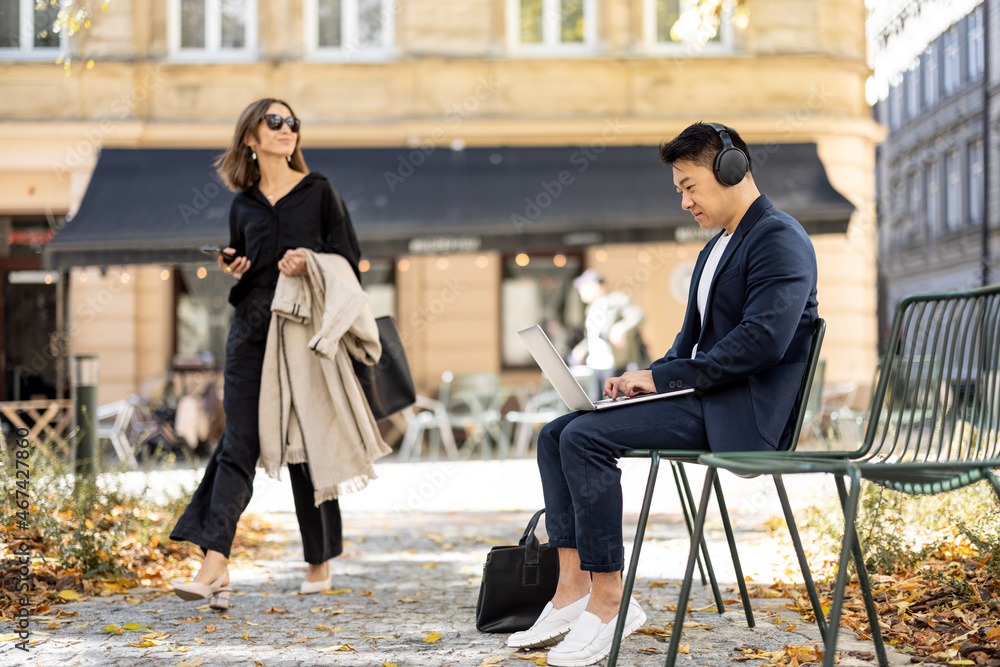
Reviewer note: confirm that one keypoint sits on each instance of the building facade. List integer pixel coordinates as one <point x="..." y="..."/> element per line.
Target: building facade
<point x="937" y="192"/>
<point x="445" y="81"/>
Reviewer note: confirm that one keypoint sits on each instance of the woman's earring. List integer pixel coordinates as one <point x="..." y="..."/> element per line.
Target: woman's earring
<point x="289" y="158"/>
<point x="253" y="154"/>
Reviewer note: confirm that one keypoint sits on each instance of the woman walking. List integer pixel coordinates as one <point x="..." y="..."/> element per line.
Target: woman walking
<point x="280" y="210"/>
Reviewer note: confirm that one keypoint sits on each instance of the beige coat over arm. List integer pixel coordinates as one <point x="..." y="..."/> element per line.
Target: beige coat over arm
<point x="312" y="408"/>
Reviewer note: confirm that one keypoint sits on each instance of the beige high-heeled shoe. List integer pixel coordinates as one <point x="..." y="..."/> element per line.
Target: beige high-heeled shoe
<point x="197" y="591"/>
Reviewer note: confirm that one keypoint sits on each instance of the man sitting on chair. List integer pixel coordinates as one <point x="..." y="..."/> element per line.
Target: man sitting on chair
<point x="743" y="347"/>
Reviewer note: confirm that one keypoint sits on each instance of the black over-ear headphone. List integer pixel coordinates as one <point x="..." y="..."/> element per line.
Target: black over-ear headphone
<point x="731" y="164"/>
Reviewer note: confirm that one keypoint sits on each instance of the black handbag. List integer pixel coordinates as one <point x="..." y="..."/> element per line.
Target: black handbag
<point x="388" y="385"/>
<point x="517" y="582"/>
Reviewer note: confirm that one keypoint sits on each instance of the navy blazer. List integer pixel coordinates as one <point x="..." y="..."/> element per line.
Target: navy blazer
<point x="754" y="343"/>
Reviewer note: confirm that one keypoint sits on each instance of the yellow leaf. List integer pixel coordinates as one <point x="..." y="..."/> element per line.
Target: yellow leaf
<point x="199" y="640"/>
<point x="388" y="664"/>
<point x="429" y="565"/>
<point x="246" y="636"/>
<point x="136" y="626"/>
<point x="193" y="662"/>
<point x="541" y="661"/>
<point x="492" y="660"/>
<point x="432" y="637"/>
<point x="210" y="628"/>
<point x="684" y="648"/>
<point x="111" y="627"/>
<point x="90" y="64"/>
<point x="411" y="601"/>
<point x="332" y="649"/>
<point x="180" y="649"/>
<point x="8" y="637"/>
<point x="961" y="662"/>
<point x="144" y="644"/>
<point x="337" y="592"/>
<point x="658" y="584"/>
<point x="81" y="625"/>
<point x="69" y="595"/>
<point x="993" y="633"/>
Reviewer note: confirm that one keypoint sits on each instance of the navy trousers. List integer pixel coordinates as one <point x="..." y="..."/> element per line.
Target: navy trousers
<point x="581" y="482"/>
<point x="211" y="517"/>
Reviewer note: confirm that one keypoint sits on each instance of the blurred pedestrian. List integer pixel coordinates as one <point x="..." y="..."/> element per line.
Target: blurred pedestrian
<point x="612" y="343"/>
<point x="280" y="212"/>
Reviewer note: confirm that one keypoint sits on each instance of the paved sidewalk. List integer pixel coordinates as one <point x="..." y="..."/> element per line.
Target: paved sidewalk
<point x="410" y="573"/>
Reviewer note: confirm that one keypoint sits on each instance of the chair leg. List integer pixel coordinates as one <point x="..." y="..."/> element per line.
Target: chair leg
<point x="744" y="594"/>
<point x="685" y="592"/>
<point x="850" y="504"/>
<point x="686" y="504"/>
<point x="863" y="583"/>
<point x="779" y="485"/>
<point x="640" y="533"/>
<point x="704" y="545"/>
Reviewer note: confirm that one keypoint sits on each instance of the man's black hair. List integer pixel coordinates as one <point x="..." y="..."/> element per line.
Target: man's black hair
<point x="700" y="143"/>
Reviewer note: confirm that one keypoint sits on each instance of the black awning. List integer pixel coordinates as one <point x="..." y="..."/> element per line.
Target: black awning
<point x="160" y="206"/>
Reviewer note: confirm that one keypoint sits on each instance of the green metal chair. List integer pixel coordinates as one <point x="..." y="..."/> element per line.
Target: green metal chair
<point x="677" y="459"/>
<point x="944" y="351"/>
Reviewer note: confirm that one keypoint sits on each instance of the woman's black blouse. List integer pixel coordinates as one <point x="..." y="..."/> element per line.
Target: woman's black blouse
<point x="311" y="216"/>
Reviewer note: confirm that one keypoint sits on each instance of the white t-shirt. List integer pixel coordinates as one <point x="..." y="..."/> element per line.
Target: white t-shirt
<point x="705" y="283"/>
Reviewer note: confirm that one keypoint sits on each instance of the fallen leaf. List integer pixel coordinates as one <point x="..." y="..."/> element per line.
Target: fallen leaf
<point x="246" y="636"/>
<point x="193" y="662"/>
<point x="432" y="637"/>
<point x="199" y="640"/>
<point x="210" y="628"/>
<point x="684" y="648"/>
<point x="410" y="601"/>
<point x="180" y="649"/>
<point x="275" y="610"/>
<point x="337" y="592"/>
<point x="430" y="565"/>
<point x="492" y="660"/>
<point x="333" y="649"/>
<point x="69" y="595"/>
<point x="133" y="627"/>
<point x="189" y="620"/>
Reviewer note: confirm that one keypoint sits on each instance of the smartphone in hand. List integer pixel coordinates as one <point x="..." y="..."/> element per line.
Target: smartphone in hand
<point x="217" y="252"/>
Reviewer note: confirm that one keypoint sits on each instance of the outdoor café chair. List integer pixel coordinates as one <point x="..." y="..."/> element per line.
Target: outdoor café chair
<point x="679" y="457"/>
<point x="943" y="353"/>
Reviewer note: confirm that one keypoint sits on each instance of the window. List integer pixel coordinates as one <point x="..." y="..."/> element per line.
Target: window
<point x="551" y="25"/>
<point x="896" y="103"/>
<point x="539" y="289"/>
<point x="379" y="282"/>
<point x="26" y="30"/>
<point x="933" y="189"/>
<point x="952" y="71"/>
<point x="219" y="29"/>
<point x="350" y="28"/>
<point x="659" y="16"/>
<point x="976" y="57"/>
<point x="913" y="190"/>
<point x="930" y="76"/>
<point x="913" y="91"/>
<point x="976" y="182"/>
<point x="952" y="191"/>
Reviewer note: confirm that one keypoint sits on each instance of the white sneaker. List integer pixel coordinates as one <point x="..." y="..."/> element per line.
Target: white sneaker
<point x="551" y="626"/>
<point x="590" y="640"/>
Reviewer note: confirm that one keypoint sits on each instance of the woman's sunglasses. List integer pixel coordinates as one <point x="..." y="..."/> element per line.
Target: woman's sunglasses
<point x="274" y="122"/>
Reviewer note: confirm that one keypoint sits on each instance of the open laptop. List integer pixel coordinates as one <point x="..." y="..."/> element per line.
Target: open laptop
<point x="566" y="385"/>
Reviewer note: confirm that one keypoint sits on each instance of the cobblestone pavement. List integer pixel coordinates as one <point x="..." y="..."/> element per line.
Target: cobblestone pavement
<point x="405" y="593"/>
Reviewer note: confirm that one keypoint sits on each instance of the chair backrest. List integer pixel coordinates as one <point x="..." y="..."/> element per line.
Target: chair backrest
<point x="466" y="393"/>
<point x="807" y="382"/>
<point x="938" y="395"/>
